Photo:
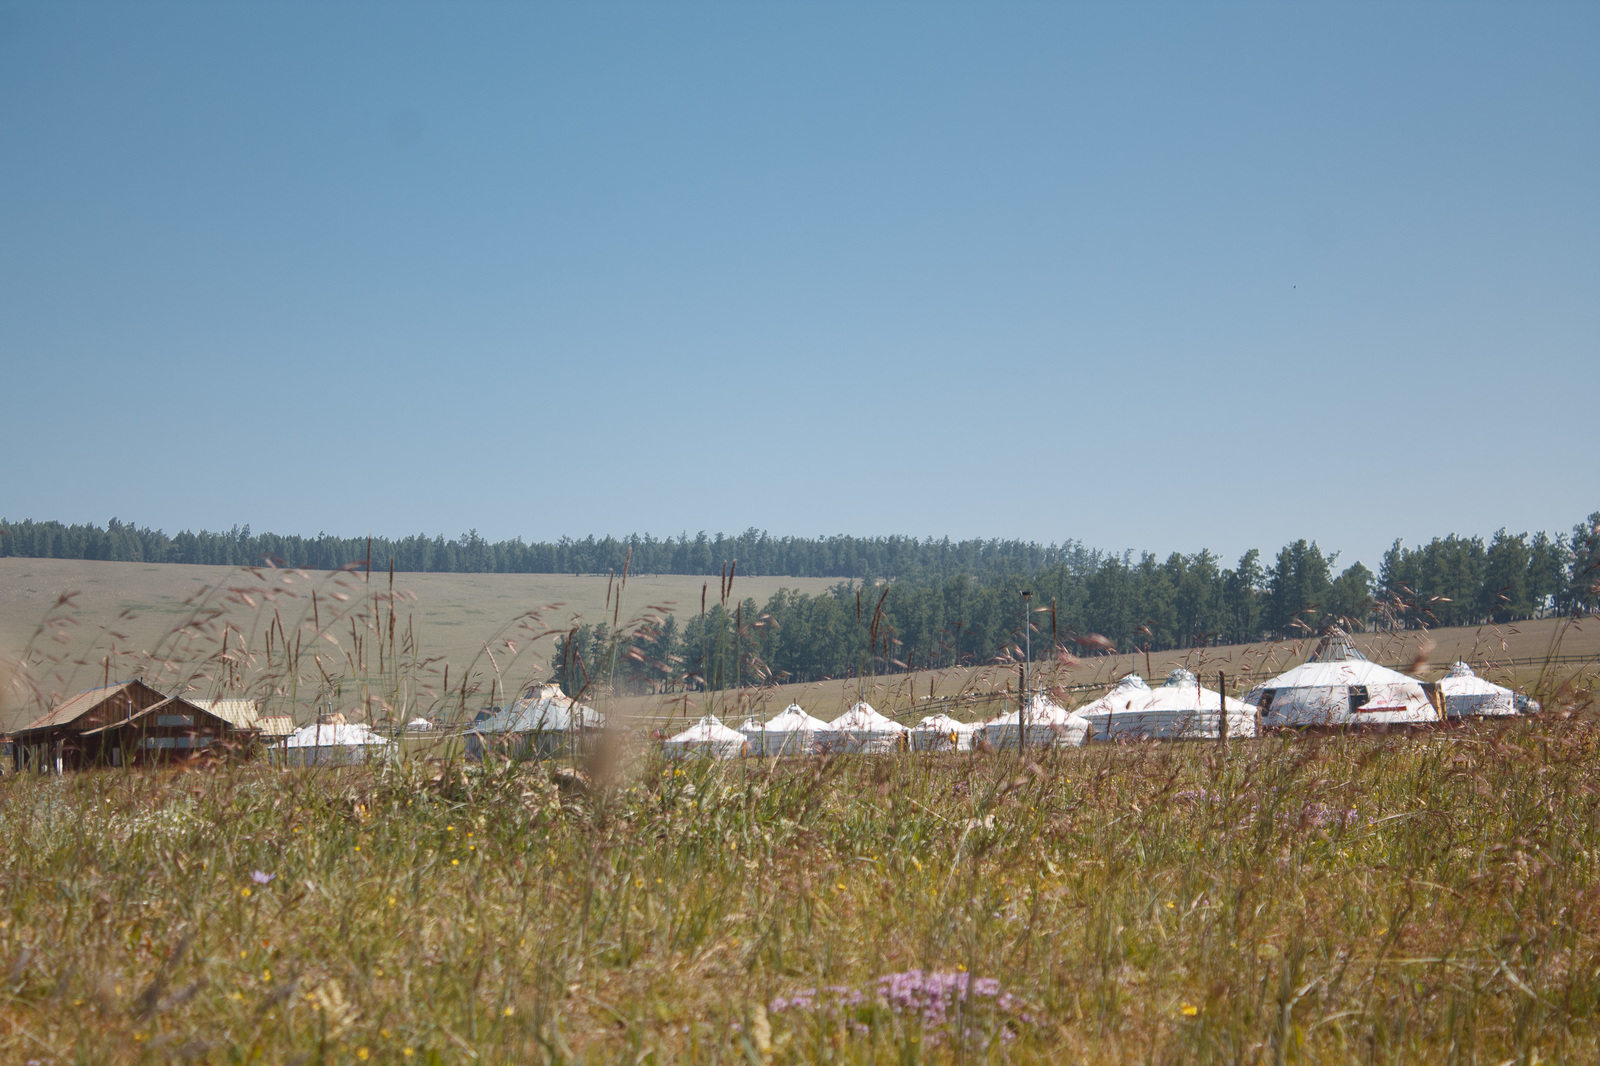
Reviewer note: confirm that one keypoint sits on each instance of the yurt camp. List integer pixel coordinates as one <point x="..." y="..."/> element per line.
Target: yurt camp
<point x="1340" y="687"/>
<point x="940" y="732"/>
<point x="545" y="721"/>
<point x="1180" y="709"/>
<point x="707" y="738"/>
<point x="1049" y="725"/>
<point x="1466" y="695"/>
<point x="790" y="732"/>
<point x="862" y="729"/>
<point x="332" y="741"/>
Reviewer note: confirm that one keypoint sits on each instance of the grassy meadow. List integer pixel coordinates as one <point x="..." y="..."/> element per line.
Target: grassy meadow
<point x="1304" y="899"/>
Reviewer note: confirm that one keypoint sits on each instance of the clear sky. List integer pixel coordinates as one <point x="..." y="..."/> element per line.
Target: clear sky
<point x="1149" y="276"/>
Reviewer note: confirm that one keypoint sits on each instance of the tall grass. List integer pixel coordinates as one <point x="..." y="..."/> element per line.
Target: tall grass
<point x="1372" y="899"/>
<point x="1361" y="898"/>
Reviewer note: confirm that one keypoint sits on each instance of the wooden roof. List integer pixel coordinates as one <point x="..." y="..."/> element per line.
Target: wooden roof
<point x="97" y="707"/>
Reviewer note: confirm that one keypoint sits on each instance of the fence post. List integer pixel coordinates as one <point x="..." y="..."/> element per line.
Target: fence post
<point x="1222" y="707"/>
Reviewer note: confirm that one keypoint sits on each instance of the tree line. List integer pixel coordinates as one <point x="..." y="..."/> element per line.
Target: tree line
<point x="758" y="552"/>
<point x="1102" y="604"/>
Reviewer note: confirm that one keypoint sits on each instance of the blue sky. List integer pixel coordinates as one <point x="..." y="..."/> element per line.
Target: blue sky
<point x="1152" y="276"/>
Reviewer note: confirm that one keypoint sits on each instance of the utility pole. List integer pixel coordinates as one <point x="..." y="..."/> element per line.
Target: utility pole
<point x="1027" y="667"/>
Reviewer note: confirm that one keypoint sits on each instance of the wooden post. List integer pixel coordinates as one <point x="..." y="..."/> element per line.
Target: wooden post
<point x="1222" y="707"/>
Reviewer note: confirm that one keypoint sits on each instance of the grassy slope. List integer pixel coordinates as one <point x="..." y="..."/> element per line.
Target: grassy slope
<point x="135" y="605"/>
<point x="1353" y="899"/>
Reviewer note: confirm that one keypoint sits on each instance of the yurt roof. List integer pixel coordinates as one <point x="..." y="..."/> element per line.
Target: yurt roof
<point x="1461" y="681"/>
<point x="942" y="723"/>
<point x="333" y="735"/>
<point x="1336" y="647"/>
<point x="547" y="711"/>
<point x="862" y="718"/>
<point x="707" y="730"/>
<point x="1330" y="673"/>
<point x="1041" y="711"/>
<point x="1129" y="694"/>
<point x="1183" y="692"/>
<point x="793" y="719"/>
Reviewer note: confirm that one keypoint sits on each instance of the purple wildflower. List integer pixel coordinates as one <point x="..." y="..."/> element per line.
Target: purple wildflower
<point x="261" y="878"/>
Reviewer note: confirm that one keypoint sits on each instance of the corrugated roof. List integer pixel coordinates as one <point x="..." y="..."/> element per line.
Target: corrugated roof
<point x="275" y="725"/>
<point x="241" y="714"/>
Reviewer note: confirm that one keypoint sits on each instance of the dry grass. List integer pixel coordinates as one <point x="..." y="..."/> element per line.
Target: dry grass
<point x="132" y="610"/>
<point x="1361" y="899"/>
<point x="1286" y="899"/>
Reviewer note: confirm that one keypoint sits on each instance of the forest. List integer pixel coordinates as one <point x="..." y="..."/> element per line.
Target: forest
<point x="1075" y="607"/>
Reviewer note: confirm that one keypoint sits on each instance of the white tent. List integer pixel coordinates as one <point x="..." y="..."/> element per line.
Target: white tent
<point x="707" y="737"/>
<point x="1050" y="725"/>
<point x="335" y="743"/>
<point x="862" y="729"/>
<point x="1129" y="695"/>
<point x="1179" y="710"/>
<point x="544" y="721"/>
<point x="940" y="732"/>
<point x="1466" y="695"/>
<point x="1338" y="686"/>
<point x="791" y="732"/>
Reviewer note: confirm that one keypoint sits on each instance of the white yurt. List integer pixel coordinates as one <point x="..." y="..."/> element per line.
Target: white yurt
<point x="1466" y="695"/>
<point x="708" y="738"/>
<point x="862" y="729"/>
<point x="791" y="732"/>
<point x="1050" y="725"/>
<point x="1338" y="686"/>
<point x="940" y="732"/>
<point x="1127" y="696"/>
<point x="545" y="721"/>
<point x="1181" y="709"/>
<point x="335" y="742"/>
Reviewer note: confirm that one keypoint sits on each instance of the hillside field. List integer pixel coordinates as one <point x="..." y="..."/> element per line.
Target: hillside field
<point x="169" y="620"/>
<point x="136" y="606"/>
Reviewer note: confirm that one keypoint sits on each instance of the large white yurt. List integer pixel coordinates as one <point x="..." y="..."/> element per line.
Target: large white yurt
<point x="1127" y="696"/>
<point x="1466" y="695"/>
<point x="335" y="742"/>
<point x="862" y="729"/>
<point x="545" y="721"/>
<point x="940" y="732"/>
<point x="708" y="738"/>
<point x="791" y="732"/>
<point x="1050" y="725"/>
<point x="1181" y="709"/>
<point x="1338" y="686"/>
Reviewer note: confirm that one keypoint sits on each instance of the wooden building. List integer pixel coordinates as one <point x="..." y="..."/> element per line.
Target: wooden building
<point x="127" y="724"/>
